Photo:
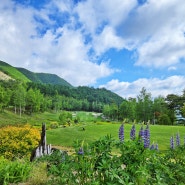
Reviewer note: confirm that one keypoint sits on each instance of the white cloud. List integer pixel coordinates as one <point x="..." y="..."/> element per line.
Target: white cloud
<point x="94" y="13"/>
<point x="156" y="86"/>
<point x="156" y="31"/>
<point x="172" y="68"/>
<point x="100" y="19"/>
<point x="61" y="51"/>
<point x="107" y="40"/>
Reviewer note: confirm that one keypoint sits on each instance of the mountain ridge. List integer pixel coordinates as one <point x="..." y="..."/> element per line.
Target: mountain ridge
<point x="22" y="74"/>
<point x="51" y="83"/>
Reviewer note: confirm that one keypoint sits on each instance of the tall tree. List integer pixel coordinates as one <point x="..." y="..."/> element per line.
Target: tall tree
<point x="144" y="106"/>
<point x="19" y="98"/>
<point x="4" y="97"/>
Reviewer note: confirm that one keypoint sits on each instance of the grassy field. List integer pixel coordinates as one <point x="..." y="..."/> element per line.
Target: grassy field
<point x="36" y="119"/>
<point x="67" y="136"/>
<point x="94" y="128"/>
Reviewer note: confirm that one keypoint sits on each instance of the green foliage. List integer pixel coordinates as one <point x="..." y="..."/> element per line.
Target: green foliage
<point x="108" y="161"/>
<point x="4" y="98"/>
<point x="14" y="171"/>
<point x="44" y="78"/>
<point x="65" y="117"/>
<point x="164" y="120"/>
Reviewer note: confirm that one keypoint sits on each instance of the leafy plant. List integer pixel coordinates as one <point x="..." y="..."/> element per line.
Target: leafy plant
<point x="18" y="142"/>
<point x="14" y="171"/>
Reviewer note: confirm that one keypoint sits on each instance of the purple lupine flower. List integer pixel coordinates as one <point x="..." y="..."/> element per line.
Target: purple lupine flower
<point x="177" y="139"/>
<point x="152" y="147"/>
<point x="80" y="151"/>
<point x="147" y="137"/>
<point x="141" y="134"/>
<point x="121" y="133"/>
<point x="133" y="132"/>
<point x="172" y="146"/>
<point x="156" y="147"/>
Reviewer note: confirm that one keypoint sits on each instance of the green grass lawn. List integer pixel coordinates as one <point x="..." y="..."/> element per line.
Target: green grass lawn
<point x="67" y="136"/>
<point x="8" y="117"/>
<point x="94" y="128"/>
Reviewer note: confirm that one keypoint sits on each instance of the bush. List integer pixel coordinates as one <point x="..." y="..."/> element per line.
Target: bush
<point x="164" y="120"/>
<point x="14" y="171"/>
<point x="109" y="161"/>
<point x="18" y="142"/>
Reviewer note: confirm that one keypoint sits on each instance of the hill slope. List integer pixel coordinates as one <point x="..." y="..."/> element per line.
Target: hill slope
<point x="48" y="84"/>
<point x="44" y="78"/>
<point x="11" y="72"/>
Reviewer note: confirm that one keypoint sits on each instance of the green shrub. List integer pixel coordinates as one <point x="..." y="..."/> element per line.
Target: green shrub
<point x="108" y="161"/>
<point x="14" y="171"/>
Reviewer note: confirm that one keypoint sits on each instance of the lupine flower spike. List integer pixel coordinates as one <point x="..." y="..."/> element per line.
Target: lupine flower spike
<point x="121" y="133"/>
<point x="133" y="132"/>
<point x="147" y="137"/>
<point x="156" y="147"/>
<point x="177" y="139"/>
<point x="152" y="147"/>
<point x="141" y="134"/>
<point x="172" y="143"/>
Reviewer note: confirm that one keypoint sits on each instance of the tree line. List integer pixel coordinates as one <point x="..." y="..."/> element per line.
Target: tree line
<point x="144" y="108"/>
<point x="34" y="97"/>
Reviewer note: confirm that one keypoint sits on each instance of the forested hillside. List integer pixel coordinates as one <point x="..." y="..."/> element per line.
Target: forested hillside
<point x="44" y="78"/>
<point x="42" y="91"/>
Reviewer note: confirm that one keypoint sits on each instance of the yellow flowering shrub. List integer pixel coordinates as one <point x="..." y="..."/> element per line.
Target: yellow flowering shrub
<point x="18" y="141"/>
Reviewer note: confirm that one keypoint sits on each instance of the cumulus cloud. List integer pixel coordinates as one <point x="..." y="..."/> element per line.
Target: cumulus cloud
<point x="46" y="47"/>
<point x="156" y="31"/>
<point x="156" y="86"/>
<point x="70" y="39"/>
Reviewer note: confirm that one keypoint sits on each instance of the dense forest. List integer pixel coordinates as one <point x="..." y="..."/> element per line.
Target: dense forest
<point x="36" y="97"/>
<point x="167" y="110"/>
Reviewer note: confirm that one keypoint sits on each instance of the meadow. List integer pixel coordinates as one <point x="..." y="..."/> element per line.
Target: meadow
<point x="90" y="132"/>
<point x="96" y="155"/>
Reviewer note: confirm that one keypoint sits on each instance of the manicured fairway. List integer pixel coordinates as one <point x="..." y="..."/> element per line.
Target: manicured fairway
<point x="91" y="132"/>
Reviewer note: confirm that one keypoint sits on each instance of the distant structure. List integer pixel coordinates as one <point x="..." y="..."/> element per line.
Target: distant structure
<point x="179" y="118"/>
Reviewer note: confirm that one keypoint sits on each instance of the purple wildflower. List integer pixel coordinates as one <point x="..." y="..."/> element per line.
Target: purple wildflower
<point x="152" y="147"/>
<point x="121" y="133"/>
<point x="172" y="146"/>
<point x="156" y="147"/>
<point x="141" y="134"/>
<point x="133" y="133"/>
<point x="80" y="151"/>
<point x="147" y="137"/>
<point x="177" y="139"/>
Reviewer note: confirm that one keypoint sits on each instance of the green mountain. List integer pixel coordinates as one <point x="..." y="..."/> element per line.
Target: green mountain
<point x="44" y="78"/>
<point x="48" y="84"/>
<point x="9" y="72"/>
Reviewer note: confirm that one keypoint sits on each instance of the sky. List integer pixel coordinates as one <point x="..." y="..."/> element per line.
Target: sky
<point x="121" y="45"/>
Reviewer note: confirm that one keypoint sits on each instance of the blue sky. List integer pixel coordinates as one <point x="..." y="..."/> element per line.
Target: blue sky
<point x="122" y="45"/>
